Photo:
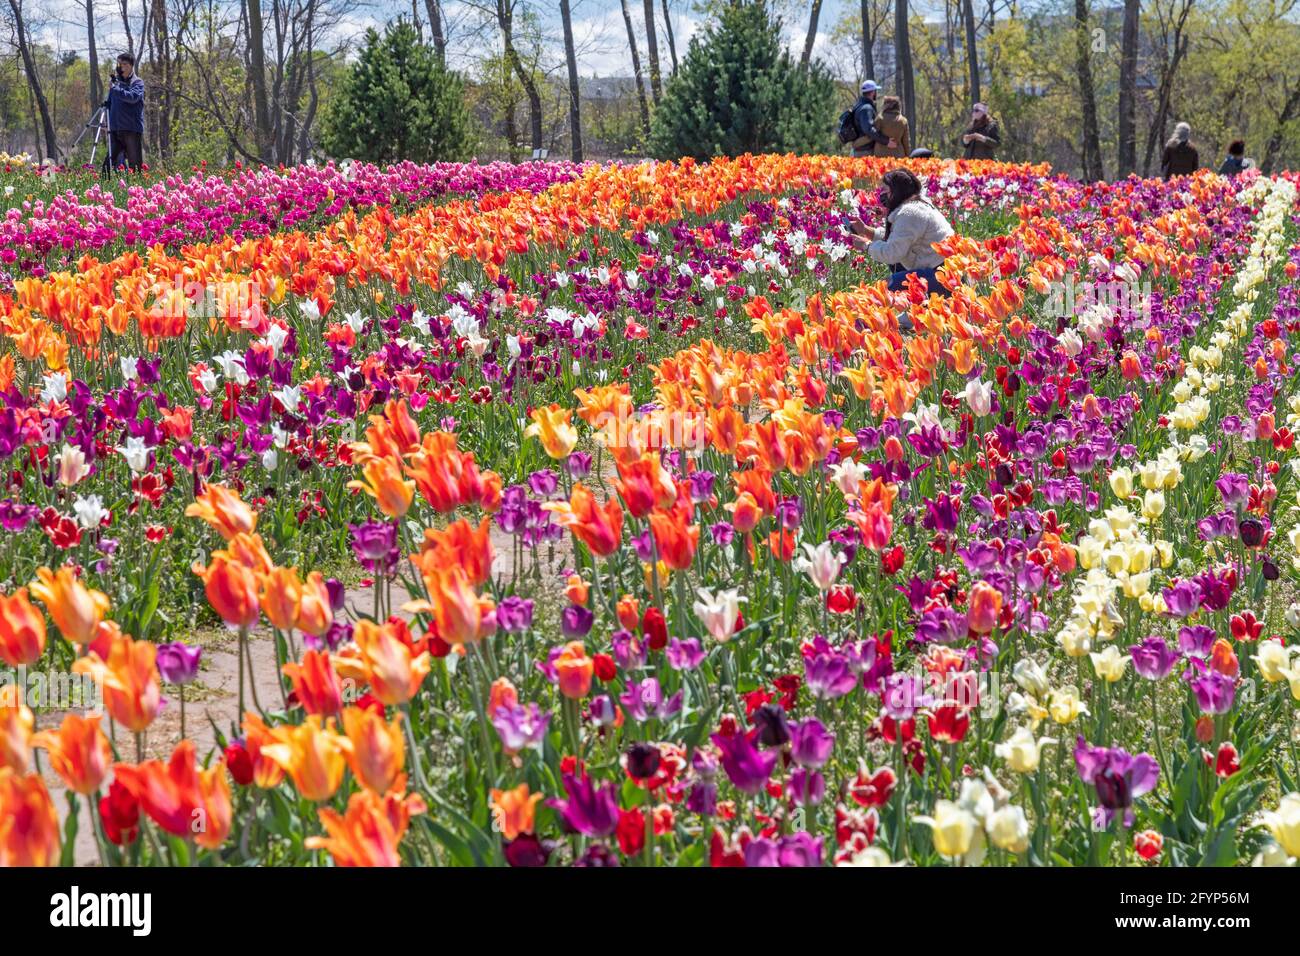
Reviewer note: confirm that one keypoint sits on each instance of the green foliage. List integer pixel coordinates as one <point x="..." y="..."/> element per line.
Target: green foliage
<point x="738" y="91"/>
<point x="397" y="102"/>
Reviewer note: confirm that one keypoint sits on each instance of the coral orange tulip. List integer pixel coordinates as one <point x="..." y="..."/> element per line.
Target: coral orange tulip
<point x="315" y="683"/>
<point x="374" y="748"/>
<point x="29" y="824"/>
<point x="512" y="811"/>
<point x="16" y="723"/>
<point x="599" y="527"/>
<point x="393" y="494"/>
<point x="369" y="832"/>
<point x="223" y="509"/>
<point x="79" y="752"/>
<point x="460" y="615"/>
<point x="22" y="630"/>
<point x="552" y="428"/>
<point x="129" y="676"/>
<point x="391" y="668"/>
<point x="231" y="588"/>
<point x="574" y="670"/>
<point x="312" y="755"/>
<point x="76" y="609"/>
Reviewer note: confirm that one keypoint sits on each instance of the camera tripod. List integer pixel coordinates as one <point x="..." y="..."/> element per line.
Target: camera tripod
<point x="99" y="123"/>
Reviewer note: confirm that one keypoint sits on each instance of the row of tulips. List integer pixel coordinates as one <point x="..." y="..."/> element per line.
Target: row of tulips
<point x="43" y="230"/>
<point x="800" y="564"/>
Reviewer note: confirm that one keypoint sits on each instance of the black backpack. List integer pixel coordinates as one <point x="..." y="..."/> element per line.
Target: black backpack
<point x="848" y="129"/>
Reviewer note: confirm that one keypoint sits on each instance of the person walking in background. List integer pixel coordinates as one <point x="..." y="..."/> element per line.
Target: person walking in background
<point x="1180" y="157"/>
<point x="1236" y="160"/>
<point x="981" y="137"/>
<point x="893" y="124"/>
<point x="864" y="118"/>
<point x="125" y="104"/>
<point x="906" y="242"/>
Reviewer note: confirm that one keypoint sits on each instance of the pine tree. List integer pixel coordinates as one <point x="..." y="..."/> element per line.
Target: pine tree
<point x="739" y="91"/>
<point x="398" y="102"/>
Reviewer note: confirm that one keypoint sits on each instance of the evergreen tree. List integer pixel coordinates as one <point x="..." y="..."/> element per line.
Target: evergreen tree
<point x="739" y="91"/>
<point x="399" y="102"/>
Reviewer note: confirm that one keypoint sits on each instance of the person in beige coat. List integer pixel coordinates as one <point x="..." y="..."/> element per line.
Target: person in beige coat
<point x="893" y="124"/>
<point x="912" y="227"/>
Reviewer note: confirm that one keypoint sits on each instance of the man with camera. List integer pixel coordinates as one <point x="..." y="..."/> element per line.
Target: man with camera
<point x="125" y="106"/>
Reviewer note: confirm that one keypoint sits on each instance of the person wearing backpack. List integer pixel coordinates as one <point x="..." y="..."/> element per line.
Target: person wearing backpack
<point x="858" y="124"/>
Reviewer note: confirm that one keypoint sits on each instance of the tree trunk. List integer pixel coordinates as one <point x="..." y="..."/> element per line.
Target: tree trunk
<point x="575" y="111"/>
<point x="257" y="79"/>
<point x="1156" y="133"/>
<point x="1274" y="145"/>
<point x="505" y="17"/>
<point x="1127" y="159"/>
<point x="668" y="29"/>
<point x="972" y="52"/>
<point x="636" y="69"/>
<point x="92" y="56"/>
<point x="161" y="99"/>
<point x="814" y="15"/>
<point x="126" y="27"/>
<point x="1092" y="168"/>
<point x="903" y="70"/>
<point x="434" y="10"/>
<point x="34" y="81"/>
<point x="652" y="51"/>
<point x="868" y="42"/>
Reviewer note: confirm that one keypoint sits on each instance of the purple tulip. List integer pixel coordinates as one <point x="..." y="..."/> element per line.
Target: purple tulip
<point x="178" y="663"/>
<point x="590" y="811"/>
<point x="1153" y="658"/>
<point x="747" y="767"/>
<point x="811" y="743"/>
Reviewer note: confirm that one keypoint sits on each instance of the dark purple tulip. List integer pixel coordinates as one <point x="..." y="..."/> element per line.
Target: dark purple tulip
<point x="526" y="850"/>
<point x="590" y="811"/>
<point x="642" y="760"/>
<point x="773" y="728"/>
<point x="576" y="620"/>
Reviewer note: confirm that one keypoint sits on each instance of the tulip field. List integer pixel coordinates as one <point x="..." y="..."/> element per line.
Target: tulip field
<point x="602" y="515"/>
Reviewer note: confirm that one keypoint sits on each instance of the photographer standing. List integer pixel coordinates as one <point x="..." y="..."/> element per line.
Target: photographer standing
<point x="125" y="105"/>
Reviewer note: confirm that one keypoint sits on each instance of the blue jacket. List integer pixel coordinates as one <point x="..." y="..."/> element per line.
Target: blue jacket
<point x="864" y="115"/>
<point x="126" y="105"/>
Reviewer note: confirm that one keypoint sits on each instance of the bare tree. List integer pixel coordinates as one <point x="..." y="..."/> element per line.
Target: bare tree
<point x="92" y="58"/>
<point x="814" y="14"/>
<point x="505" y="20"/>
<point x="874" y="15"/>
<point x="972" y="51"/>
<point x="434" y="10"/>
<point x="652" y="51"/>
<point x="1126" y="161"/>
<point x="257" y="79"/>
<point x="636" y="69"/>
<point x="1092" y="166"/>
<point x="668" y="29"/>
<point x="33" y="78"/>
<point x="1172" y="24"/>
<point x="903" y="61"/>
<point x="571" y="58"/>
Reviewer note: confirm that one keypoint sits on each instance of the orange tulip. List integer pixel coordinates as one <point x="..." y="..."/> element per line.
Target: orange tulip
<point x="384" y="482"/>
<point x="79" y="752"/>
<point x="985" y="606"/>
<point x="629" y="612"/>
<point x="280" y="593"/>
<point x="745" y="512"/>
<point x="675" y="538"/>
<point x="599" y="527"/>
<point x="512" y="811"/>
<point x="129" y="677"/>
<point x="374" y="748"/>
<point x="1224" y="659"/>
<point x="223" y="509"/>
<point x="266" y="772"/>
<point x="501" y="694"/>
<point x="460" y="543"/>
<point x="16" y="723"/>
<point x="250" y="551"/>
<point x="22" y="630"/>
<point x="76" y="609"/>
<point x="315" y="683"/>
<point x="29" y="824"/>
<point x="460" y="615"/>
<point x="315" y="612"/>
<point x="643" y="484"/>
<point x="183" y="799"/>
<point x="577" y="590"/>
<point x="231" y="588"/>
<point x="312" y="755"/>
<point x="574" y="670"/>
<point x="369" y="832"/>
<point x="392" y="669"/>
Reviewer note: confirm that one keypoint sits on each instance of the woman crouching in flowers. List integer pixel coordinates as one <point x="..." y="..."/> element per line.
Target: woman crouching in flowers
<point x="906" y="243"/>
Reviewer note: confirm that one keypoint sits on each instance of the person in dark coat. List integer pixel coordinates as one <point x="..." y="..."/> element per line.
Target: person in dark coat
<point x="1236" y="160"/>
<point x="981" y="137"/>
<point x="125" y="104"/>
<point x="1180" y="158"/>
<point x="864" y="117"/>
